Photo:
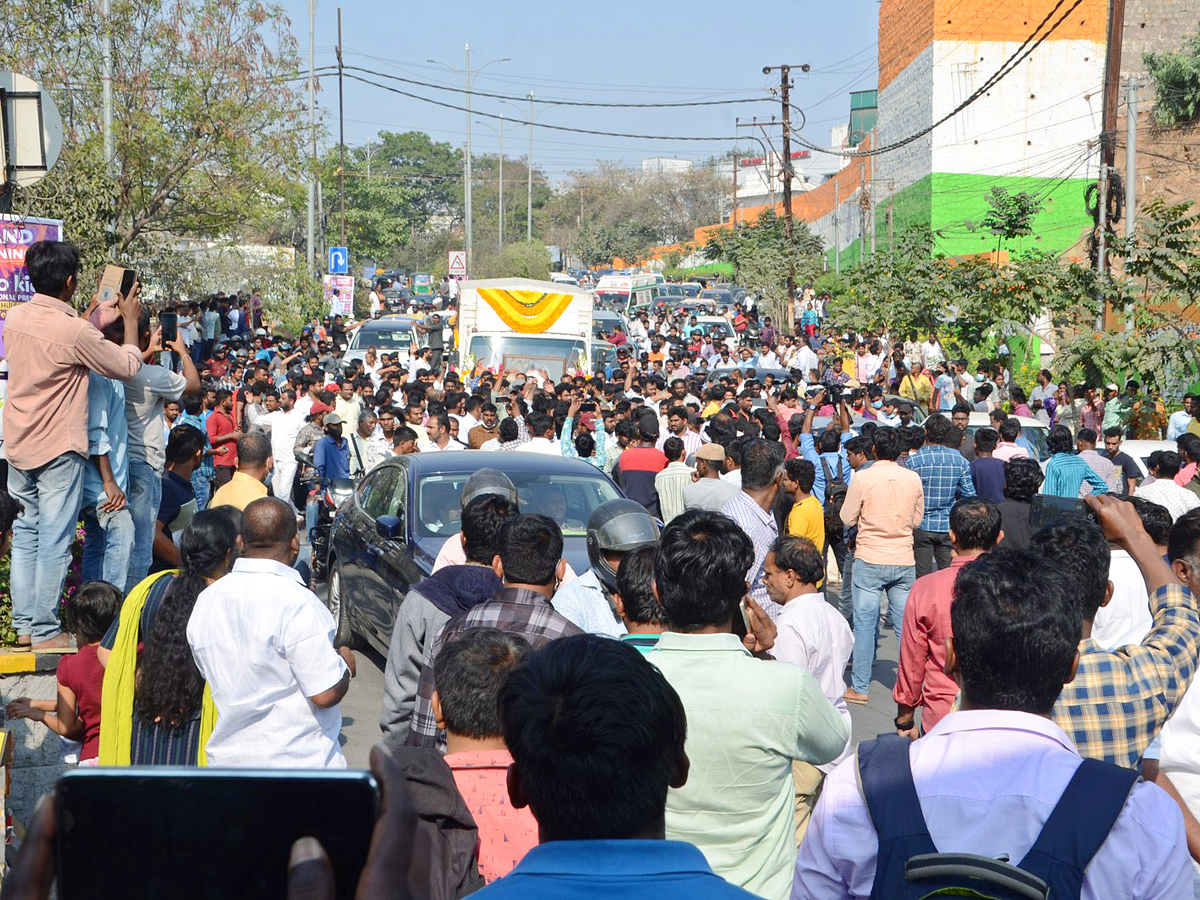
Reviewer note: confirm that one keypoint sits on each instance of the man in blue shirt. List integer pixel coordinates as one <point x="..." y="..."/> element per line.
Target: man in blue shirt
<point x="331" y="455"/>
<point x="945" y="478"/>
<point x="831" y="448"/>
<point x="107" y="523"/>
<point x="574" y="728"/>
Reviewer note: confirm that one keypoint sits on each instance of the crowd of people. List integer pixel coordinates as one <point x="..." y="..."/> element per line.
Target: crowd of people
<point x="676" y="718"/>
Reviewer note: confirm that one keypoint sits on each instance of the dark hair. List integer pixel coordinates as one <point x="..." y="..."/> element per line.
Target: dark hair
<point x="635" y="584"/>
<point x="1022" y="479"/>
<point x="585" y="444"/>
<point x="801" y="556"/>
<point x="1189" y="446"/>
<point x="700" y="570"/>
<point x="1059" y="439"/>
<point x="1169" y="463"/>
<point x="673" y="449"/>
<point x="913" y="436"/>
<point x="887" y="443"/>
<point x="801" y="471"/>
<point x="482" y="520"/>
<point x="1076" y="547"/>
<point x="254" y="449"/>
<point x="579" y="716"/>
<point x="986" y="439"/>
<point x="1114" y="431"/>
<point x="937" y="429"/>
<point x="1185" y="536"/>
<point x="975" y="521"/>
<point x="1156" y="519"/>
<point x="1009" y="429"/>
<point x="828" y="441"/>
<point x="1016" y="631"/>
<point x="858" y="445"/>
<point x="509" y="430"/>
<point x="539" y="424"/>
<point x="401" y="434"/>
<point x="761" y="462"/>
<point x="185" y="442"/>
<point x="1085" y="436"/>
<point x="469" y="673"/>
<point x="91" y="611"/>
<point x="961" y="407"/>
<point x="530" y="547"/>
<point x="169" y="686"/>
<point x="10" y="508"/>
<point x="50" y="264"/>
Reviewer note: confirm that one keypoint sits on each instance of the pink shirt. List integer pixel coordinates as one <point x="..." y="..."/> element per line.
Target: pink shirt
<point x="921" y="679"/>
<point x="1182" y="478"/>
<point x="454" y="554"/>
<point x="506" y="834"/>
<point x="1006" y="451"/>
<point x="50" y="349"/>
<point x="887" y="504"/>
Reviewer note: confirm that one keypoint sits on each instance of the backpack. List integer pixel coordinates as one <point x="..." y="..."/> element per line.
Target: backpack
<point x="910" y="866"/>
<point x="835" y="496"/>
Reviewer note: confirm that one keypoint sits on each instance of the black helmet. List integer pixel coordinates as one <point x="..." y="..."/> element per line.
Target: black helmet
<point x="488" y="481"/>
<point x="617" y="526"/>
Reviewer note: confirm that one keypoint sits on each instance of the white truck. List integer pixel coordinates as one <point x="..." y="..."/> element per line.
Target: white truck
<point x="520" y="323"/>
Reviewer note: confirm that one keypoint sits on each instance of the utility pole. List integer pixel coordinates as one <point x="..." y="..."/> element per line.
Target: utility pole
<point x="837" y="239"/>
<point x="341" y="141"/>
<point x="735" y="175"/>
<point x="1131" y="130"/>
<point x="468" y="248"/>
<point x="864" y="203"/>
<point x="529" y="187"/>
<point x="368" y="160"/>
<point x="1102" y="251"/>
<point x="109" y="157"/>
<point x="310" y="256"/>
<point x="500" y="188"/>
<point x="1108" y="127"/>
<point x="785" y="83"/>
<point x="891" y="196"/>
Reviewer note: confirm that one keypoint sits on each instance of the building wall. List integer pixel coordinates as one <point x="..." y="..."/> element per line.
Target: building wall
<point x="1154" y="26"/>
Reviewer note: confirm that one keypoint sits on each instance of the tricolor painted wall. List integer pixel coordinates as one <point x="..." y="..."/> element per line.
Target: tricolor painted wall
<point x="1030" y="132"/>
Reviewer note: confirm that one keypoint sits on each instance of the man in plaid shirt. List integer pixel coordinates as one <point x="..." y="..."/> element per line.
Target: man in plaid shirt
<point x="531" y="566"/>
<point x="945" y="478"/>
<point x="1120" y="699"/>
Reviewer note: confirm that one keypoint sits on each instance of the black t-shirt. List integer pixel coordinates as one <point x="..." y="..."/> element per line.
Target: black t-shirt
<point x="175" y="510"/>
<point x="1014" y="522"/>
<point x="1129" y="469"/>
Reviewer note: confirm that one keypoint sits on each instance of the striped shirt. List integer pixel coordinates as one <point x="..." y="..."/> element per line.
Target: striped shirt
<point x="760" y="526"/>
<point x="1065" y="475"/>
<point x="1120" y="699"/>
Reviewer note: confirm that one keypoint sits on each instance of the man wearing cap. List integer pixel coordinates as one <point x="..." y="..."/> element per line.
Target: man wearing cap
<point x="708" y="490"/>
<point x="331" y="455"/>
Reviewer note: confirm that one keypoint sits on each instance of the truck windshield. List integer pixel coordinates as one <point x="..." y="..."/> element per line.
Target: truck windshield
<point x="525" y="352"/>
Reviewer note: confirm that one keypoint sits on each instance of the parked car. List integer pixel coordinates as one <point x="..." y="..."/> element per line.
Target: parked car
<point x="387" y="334"/>
<point x="386" y="537"/>
<point x="1141" y="450"/>
<point x="1032" y="430"/>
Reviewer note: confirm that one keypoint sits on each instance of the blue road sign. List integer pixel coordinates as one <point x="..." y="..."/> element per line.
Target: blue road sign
<point x="339" y="261"/>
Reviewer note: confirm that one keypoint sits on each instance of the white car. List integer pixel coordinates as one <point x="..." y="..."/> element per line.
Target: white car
<point x="1140" y="452"/>
<point x="1033" y="430"/>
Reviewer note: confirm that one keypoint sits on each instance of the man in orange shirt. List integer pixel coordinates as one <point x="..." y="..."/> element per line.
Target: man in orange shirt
<point x="887" y="503"/>
<point x="921" y="679"/>
<point x="469" y="673"/>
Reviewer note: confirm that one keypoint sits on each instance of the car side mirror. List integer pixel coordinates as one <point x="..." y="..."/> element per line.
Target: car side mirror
<point x="390" y="528"/>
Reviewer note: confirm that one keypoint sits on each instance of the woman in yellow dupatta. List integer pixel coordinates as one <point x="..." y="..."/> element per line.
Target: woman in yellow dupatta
<point x="155" y="707"/>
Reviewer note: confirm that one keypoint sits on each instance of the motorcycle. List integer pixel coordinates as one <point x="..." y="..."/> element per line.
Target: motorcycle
<point x="328" y="494"/>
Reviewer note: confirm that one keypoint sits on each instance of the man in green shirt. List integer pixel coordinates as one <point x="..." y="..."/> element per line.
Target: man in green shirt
<point x="748" y="719"/>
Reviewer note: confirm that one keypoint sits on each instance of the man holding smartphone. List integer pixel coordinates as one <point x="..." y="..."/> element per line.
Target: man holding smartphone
<point x="50" y="351"/>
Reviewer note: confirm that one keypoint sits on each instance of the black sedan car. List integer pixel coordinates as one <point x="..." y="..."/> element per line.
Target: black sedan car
<point x="387" y="536"/>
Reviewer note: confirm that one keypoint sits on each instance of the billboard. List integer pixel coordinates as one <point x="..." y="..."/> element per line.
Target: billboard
<point x="16" y="236"/>
<point x="343" y="303"/>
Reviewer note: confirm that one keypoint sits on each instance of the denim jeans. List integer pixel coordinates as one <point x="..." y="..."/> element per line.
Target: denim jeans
<point x="108" y="544"/>
<point x="145" y="494"/>
<point x="870" y="579"/>
<point x="202" y="488"/>
<point x="41" y="543"/>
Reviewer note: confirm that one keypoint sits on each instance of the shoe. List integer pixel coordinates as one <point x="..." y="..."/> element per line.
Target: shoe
<point x="853" y="696"/>
<point x="60" y="643"/>
<point x="22" y="645"/>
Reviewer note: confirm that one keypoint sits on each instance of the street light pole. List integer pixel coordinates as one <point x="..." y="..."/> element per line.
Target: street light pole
<point x="500" y="188"/>
<point x="310" y="255"/>
<point x="529" y="166"/>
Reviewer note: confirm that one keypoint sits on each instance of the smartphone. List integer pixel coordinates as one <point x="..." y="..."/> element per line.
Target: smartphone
<point x="745" y="615"/>
<point x="169" y="323"/>
<point x="116" y="280"/>
<point x="165" y="831"/>
<point x="1046" y="509"/>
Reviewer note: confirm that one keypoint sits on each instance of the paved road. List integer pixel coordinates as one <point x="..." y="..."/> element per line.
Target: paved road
<point x="360" y="709"/>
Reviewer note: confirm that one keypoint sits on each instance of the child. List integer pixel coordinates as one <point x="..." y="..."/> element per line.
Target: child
<point x="636" y="604"/>
<point x="76" y="713"/>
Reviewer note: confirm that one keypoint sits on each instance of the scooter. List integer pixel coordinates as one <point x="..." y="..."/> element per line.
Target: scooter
<point x="331" y="493"/>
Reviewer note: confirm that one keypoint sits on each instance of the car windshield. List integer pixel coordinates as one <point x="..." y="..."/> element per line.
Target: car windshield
<point x="613" y="299"/>
<point x="382" y="339"/>
<point x="1035" y="436"/>
<point x="506" y="352"/>
<point x="567" y="499"/>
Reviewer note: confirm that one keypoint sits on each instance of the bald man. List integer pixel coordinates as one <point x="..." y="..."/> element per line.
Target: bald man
<point x="264" y="643"/>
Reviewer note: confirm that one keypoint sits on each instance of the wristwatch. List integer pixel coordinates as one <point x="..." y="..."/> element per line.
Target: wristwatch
<point x="904" y="725"/>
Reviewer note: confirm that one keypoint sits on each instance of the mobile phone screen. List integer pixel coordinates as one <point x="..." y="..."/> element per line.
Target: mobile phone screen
<point x="127" y="282"/>
<point x="170" y="326"/>
<point x="197" y="833"/>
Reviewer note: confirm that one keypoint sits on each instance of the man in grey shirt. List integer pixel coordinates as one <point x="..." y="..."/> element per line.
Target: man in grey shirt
<point x="709" y="490"/>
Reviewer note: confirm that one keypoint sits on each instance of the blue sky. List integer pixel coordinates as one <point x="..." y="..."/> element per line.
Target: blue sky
<point x="616" y="51"/>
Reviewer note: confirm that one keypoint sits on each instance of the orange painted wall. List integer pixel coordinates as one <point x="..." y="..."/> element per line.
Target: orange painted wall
<point x="907" y="27"/>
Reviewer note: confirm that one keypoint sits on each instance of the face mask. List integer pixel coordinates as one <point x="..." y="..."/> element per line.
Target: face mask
<point x="978" y="379"/>
<point x="878" y="404"/>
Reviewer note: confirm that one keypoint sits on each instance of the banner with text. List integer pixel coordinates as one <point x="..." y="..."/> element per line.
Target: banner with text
<point x="340" y="303"/>
<point x="16" y="236"/>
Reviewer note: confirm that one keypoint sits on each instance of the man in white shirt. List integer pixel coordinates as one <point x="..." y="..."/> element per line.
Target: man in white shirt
<point x="284" y="424"/>
<point x="987" y="777"/>
<point x="1178" y="423"/>
<point x="376" y="301"/>
<point x="807" y="361"/>
<point x="812" y="634"/>
<point x="264" y="644"/>
<point x="438" y="429"/>
<point x="541" y="426"/>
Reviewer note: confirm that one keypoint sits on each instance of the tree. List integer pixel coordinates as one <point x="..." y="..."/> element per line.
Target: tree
<point x="1176" y="77"/>
<point x="1010" y="216"/>
<point x="525" y="259"/>
<point x="209" y="132"/>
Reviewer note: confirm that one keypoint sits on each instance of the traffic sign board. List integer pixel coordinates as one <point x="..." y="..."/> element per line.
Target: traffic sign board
<point x="339" y="261"/>
<point x="458" y="263"/>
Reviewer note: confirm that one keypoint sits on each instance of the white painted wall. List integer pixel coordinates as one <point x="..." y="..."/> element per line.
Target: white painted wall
<point x="905" y="107"/>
